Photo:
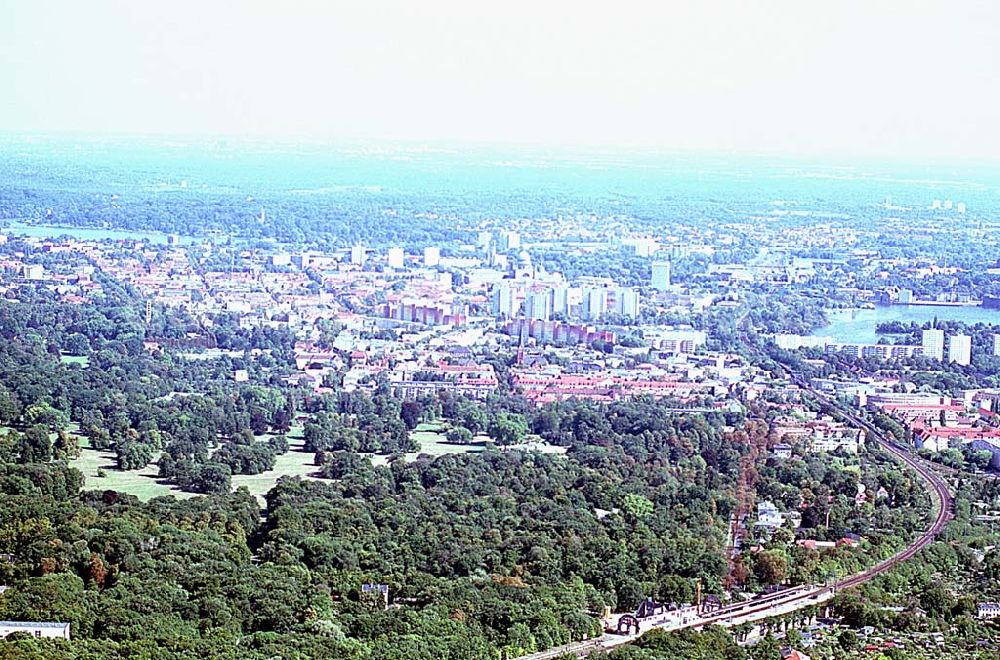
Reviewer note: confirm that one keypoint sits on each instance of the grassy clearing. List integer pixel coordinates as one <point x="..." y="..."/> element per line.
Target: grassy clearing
<point x="81" y="360"/>
<point x="294" y="463"/>
<point x="432" y="441"/>
<point x="143" y="483"/>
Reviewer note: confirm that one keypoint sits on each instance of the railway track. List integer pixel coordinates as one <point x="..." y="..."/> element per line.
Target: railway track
<point x="938" y="488"/>
<point x="764" y="607"/>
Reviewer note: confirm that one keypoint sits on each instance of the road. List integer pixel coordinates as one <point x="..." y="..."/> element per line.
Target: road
<point x="792" y="599"/>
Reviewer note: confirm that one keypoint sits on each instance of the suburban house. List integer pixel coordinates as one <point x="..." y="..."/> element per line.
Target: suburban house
<point x="988" y="610"/>
<point x="35" y="628"/>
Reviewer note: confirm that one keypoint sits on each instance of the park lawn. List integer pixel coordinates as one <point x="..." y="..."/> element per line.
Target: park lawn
<point x="143" y="483"/>
<point x="294" y="463"/>
<point x="431" y="427"/>
<point x="81" y="360"/>
<point x="430" y="435"/>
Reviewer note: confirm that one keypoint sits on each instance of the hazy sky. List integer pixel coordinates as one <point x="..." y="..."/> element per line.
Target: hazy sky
<point x="888" y="78"/>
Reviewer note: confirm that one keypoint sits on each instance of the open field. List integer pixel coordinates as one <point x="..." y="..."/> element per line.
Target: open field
<point x="293" y="463"/>
<point x="430" y="435"/>
<point x="143" y="483"/>
<point x="81" y="360"/>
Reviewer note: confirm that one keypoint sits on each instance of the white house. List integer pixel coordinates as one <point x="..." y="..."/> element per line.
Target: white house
<point x="35" y="628"/>
<point x="988" y="610"/>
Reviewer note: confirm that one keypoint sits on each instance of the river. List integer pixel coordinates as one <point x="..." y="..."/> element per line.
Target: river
<point x="858" y="325"/>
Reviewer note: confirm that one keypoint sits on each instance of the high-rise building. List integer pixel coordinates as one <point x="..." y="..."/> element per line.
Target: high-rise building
<point x="996" y="344"/>
<point x="960" y="349"/>
<point x="432" y="256"/>
<point x="646" y="247"/>
<point x="627" y="302"/>
<point x="595" y="304"/>
<point x="538" y="304"/>
<point x="358" y="255"/>
<point x="395" y="257"/>
<point x="560" y="300"/>
<point x="509" y="240"/>
<point x="933" y="342"/>
<point x="484" y="240"/>
<point x="504" y="301"/>
<point x="661" y="275"/>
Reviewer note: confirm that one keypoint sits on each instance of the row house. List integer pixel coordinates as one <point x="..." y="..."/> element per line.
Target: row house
<point x="426" y="313"/>
<point x="556" y="332"/>
<point x="939" y="438"/>
<point x="544" y="388"/>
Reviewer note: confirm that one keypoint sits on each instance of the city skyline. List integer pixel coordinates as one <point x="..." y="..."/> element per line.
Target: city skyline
<point x="393" y="330"/>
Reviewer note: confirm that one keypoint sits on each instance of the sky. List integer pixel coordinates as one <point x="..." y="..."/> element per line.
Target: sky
<point x="895" y="78"/>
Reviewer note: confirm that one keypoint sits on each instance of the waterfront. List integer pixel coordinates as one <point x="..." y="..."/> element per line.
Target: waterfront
<point x="858" y="325"/>
<point x="88" y="233"/>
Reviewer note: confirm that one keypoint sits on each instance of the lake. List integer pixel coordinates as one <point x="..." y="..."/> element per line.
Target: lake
<point x="858" y="325"/>
<point x="89" y="233"/>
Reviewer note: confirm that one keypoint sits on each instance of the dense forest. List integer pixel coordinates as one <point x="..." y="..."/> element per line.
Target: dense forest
<point x="485" y="554"/>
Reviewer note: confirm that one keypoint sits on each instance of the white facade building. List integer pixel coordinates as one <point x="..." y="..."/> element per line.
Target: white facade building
<point x="34" y="272"/>
<point x="960" y="349"/>
<point x="661" y="275"/>
<point x="505" y="302"/>
<point x="358" y="255"/>
<point x="627" y="302"/>
<point x="508" y="240"/>
<point x="595" y="303"/>
<point x="48" y="629"/>
<point x="988" y="610"/>
<point x="538" y="304"/>
<point x="560" y="300"/>
<point x="933" y="342"/>
<point x="675" y="341"/>
<point x="395" y="258"/>
<point x="645" y="247"/>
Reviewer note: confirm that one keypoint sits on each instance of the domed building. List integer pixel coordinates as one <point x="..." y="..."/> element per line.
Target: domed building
<point x="524" y="268"/>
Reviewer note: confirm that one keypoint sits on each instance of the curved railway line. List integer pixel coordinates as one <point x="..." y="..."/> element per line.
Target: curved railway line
<point x="796" y="598"/>
<point x="940" y="494"/>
